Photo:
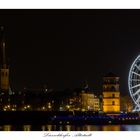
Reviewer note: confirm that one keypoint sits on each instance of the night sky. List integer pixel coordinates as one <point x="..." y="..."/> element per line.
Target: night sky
<point x="63" y="48"/>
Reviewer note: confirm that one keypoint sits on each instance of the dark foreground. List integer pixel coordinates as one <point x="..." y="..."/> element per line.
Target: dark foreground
<point x="65" y="118"/>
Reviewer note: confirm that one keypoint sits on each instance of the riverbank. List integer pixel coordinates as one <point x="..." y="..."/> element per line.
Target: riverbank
<point x="64" y="118"/>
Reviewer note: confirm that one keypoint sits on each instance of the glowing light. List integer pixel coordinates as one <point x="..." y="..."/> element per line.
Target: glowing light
<point x="68" y="106"/>
<point x="27" y="127"/>
<point x="28" y="106"/>
<point x="83" y="110"/>
<point x="49" y="106"/>
<point x="43" y="107"/>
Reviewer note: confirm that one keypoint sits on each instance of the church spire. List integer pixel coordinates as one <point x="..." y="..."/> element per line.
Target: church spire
<point x="2" y="40"/>
<point x="4" y="70"/>
<point x="2" y="35"/>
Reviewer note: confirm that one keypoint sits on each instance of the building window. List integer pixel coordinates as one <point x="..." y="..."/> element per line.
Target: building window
<point x="113" y="102"/>
<point x="113" y="95"/>
<point x="112" y="88"/>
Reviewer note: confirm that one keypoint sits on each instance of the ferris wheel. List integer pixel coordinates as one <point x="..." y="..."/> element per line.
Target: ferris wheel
<point x="134" y="83"/>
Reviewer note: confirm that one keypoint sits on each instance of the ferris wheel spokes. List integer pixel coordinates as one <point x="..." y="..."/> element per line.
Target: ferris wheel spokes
<point x="135" y="80"/>
<point x="134" y="83"/>
<point x="136" y="73"/>
<point x="136" y="109"/>
<point x="138" y="99"/>
<point x="138" y="67"/>
<point x="138" y="85"/>
<point x="137" y="92"/>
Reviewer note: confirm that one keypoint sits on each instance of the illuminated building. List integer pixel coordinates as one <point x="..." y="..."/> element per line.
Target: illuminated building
<point x="4" y="69"/>
<point x="89" y="102"/>
<point x="126" y="104"/>
<point x="111" y="94"/>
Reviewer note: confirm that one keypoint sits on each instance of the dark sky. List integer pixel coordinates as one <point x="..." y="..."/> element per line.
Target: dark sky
<point x="62" y="48"/>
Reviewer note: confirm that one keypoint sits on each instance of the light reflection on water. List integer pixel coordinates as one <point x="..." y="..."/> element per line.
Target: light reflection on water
<point x="7" y="127"/>
<point x="70" y="128"/>
<point x="26" y="127"/>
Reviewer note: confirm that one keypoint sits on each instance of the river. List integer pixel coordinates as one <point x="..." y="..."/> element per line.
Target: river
<point x="70" y="128"/>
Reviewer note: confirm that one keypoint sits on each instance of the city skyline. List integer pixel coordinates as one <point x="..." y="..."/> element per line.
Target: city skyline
<point x="69" y="67"/>
<point x="63" y="48"/>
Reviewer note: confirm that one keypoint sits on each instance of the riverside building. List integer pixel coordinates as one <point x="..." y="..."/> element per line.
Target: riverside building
<point x="111" y="93"/>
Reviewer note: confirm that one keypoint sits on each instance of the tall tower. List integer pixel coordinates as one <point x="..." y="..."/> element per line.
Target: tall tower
<point x="111" y="93"/>
<point x="4" y="69"/>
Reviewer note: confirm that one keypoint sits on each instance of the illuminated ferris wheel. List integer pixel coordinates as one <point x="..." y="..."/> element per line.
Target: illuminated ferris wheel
<point x="134" y="83"/>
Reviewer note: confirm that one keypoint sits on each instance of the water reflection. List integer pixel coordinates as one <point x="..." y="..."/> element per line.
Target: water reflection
<point x="48" y="128"/>
<point x="111" y="128"/>
<point x="43" y="128"/>
<point x="130" y="127"/>
<point x="26" y="127"/>
<point x="7" y="128"/>
<point x="70" y="128"/>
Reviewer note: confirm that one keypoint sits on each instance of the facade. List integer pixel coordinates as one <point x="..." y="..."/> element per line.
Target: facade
<point x="74" y="103"/>
<point x="111" y="94"/>
<point x="126" y="104"/>
<point x="89" y="102"/>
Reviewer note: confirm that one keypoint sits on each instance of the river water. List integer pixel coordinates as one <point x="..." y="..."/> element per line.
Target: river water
<point x="70" y="128"/>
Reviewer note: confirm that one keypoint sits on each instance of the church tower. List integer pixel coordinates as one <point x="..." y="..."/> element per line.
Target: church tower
<point x="111" y="93"/>
<point x="4" y="69"/>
